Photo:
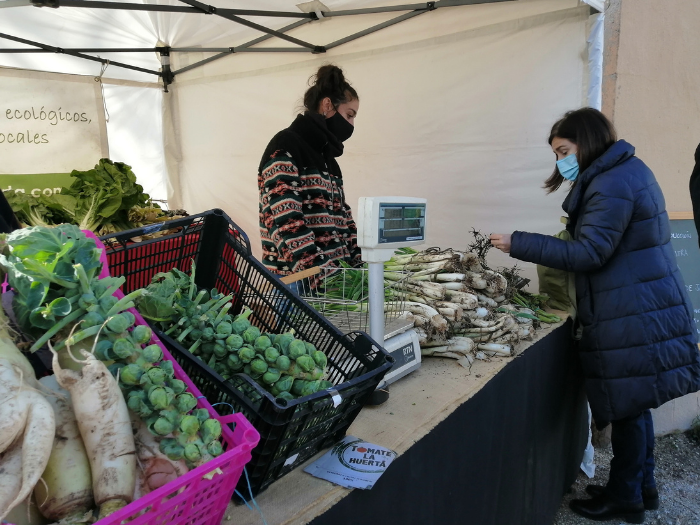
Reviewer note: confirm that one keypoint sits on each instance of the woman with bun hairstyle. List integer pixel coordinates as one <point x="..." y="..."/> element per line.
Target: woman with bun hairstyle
<point x="304" y="219"/>
<point x="638" y="340"/>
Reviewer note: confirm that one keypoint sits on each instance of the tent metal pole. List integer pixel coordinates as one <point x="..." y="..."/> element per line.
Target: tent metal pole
<point x="202" y="62"/>
<point x="240" y="48"/>
<point x="92" y="4"/>
<point x="376" y="28"/>
<point x="125" y="6"/>
<point x="286" y="28"/>
<point x="210" y="9"/>
<point x="87" y="50"/>
<point x="78" y="55"/>
<point x="408" y="7"/>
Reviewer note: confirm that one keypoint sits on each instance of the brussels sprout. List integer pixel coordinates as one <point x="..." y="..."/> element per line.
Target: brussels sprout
<point x="325" y="385"/>
<point x="296" y="349"/>
<point x="172" y="449"/>
<point x="158" y="397"/>
<point x="224" y="328"/>
<point x="246" y="354"/>
<point x="106" y="303"/>
<point x="215" y="449"/>
<point x="208" y="334"/>
<point x="240" y="323"/>
<point x="118" y="323"/>
<point x="247" y="370"/>
<point x="171" y="415"/>
<point x="87" y="300"/>
<point x="163" y="427"/>
<point x="167" y="367"/>
<point x="320" y="358"/>
<point x="284" y="340"/>
<point x="285" y="383"/>
<point x="102" y="350"/>
<point x="310" y="349"/>
<point x="251" y="334"/>
<point x="189" y="425"/>
<point x="234" y="342"/>
<point x="298" y="386"/>
<point x="92" y="319"/>
<point x="287" y="396"/>
<point x="221" y="368"/>
<point x="271" y="376"/>
<point x="134" y="402"/>
<point x="211" y="430"/>
<point x="208" y="349"/>
<point x="129" y="318"/>
<point x="131" y="374"/>
<point x="271" y="355"/>
<point x="258" y="366"/>
<point x="283" y="362"/>
<point x="178" y="386"/>
<point x="195" y="334"/>
<point x="185" y="402"/>
<point x="142" y="334"/>
<point x="262" y="343"/>
<point x="192" y="452"/>
<point x="202" y="414"/>
<point x="157" y="375"/>
<point x="152" y="354"/>
<point x="123" y="348"/>
<point x="317" y="373"/>
<point x="234" y="363"/>
<point x="306" y="363"/>
<point x="220" y="350"/>
<point x="311" y="387"/>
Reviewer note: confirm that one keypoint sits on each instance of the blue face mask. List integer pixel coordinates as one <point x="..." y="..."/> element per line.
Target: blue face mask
<point x="568" y="167"/>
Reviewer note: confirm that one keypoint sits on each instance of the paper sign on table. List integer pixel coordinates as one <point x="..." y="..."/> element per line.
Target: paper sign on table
<point x="352" y="463"/>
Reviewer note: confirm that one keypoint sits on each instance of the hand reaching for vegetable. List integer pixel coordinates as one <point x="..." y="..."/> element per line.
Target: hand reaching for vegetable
<point x="501" y="241"/>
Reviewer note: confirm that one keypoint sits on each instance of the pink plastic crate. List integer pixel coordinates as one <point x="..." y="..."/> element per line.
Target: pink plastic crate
<point x="201" y="496"/>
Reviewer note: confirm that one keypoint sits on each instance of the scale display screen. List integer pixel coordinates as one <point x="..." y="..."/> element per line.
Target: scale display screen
<point x="401" y="222"/>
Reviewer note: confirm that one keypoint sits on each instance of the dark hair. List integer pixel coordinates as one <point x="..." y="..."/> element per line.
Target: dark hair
<point x="328" y="82"/>
<point x="592" y="133"/>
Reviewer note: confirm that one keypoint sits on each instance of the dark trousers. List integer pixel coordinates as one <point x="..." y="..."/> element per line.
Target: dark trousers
<point x="632" y="466"/>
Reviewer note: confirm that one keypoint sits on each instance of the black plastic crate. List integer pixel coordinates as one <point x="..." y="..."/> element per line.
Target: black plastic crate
<point x="290" y="432"/>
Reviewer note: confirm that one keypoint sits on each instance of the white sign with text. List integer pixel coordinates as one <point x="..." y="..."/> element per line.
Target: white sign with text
<point x="50" y="123"/>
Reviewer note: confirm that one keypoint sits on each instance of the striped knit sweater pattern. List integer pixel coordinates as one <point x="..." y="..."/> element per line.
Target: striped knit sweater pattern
<point x="304" y="219"/>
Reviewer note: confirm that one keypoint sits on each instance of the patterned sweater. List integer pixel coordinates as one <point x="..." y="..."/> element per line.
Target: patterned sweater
<point x="304" y="219"/>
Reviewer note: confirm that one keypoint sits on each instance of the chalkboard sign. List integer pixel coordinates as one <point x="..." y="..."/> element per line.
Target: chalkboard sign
<point x="684" y="238"/>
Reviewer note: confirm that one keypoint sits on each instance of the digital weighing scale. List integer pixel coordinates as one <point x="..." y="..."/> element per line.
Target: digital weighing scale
<point x="385" y="224"/>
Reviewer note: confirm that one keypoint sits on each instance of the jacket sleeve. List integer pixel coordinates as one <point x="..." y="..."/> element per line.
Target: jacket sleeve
<point x="351" y="241"/>
<point x="605" y="215"/>
<point x="695" y="190"/>
<point x="280" y="186"/>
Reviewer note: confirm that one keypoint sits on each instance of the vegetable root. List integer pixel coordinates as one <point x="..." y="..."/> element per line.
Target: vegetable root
<point x="36" y="444"/>
<point x="68" y="482"/>
<point x="103" y="420"/>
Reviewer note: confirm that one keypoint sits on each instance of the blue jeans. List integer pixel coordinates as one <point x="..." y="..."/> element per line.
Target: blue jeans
<point x="632" y="466"/>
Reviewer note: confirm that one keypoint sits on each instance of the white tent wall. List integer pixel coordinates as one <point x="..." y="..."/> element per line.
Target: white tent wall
<point x="456" y="106"/>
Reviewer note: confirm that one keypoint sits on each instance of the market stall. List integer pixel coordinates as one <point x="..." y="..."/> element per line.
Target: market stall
<point x="234" y="361"/>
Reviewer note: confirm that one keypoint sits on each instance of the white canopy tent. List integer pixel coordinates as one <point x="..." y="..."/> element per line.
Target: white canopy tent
<point x="456" y="104"/>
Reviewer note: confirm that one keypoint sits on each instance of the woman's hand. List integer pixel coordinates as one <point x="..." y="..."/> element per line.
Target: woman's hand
<point x="501" y="241"/>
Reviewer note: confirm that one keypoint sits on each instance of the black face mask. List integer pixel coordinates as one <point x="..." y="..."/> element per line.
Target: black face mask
<point x="340" y="127"/>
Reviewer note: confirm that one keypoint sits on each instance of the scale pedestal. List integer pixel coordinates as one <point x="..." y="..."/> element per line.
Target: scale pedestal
<point x="384" y="225"/>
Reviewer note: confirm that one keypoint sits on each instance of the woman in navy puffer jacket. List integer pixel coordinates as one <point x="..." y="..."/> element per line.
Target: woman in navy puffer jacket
<point x="638" y="346"/>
